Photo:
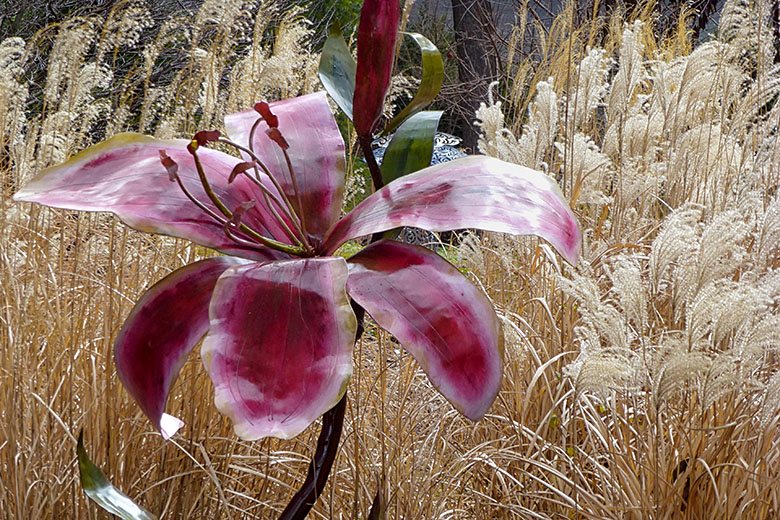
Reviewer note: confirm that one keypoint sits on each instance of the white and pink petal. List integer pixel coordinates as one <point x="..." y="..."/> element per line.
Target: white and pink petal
<point x="448" y="325"/>
<point x="279" y="349"/>
<point x="316" y="151"/>
<point x="160" y="332"/>
<point x="474" y="192"/>
<point x="125" y="175"/>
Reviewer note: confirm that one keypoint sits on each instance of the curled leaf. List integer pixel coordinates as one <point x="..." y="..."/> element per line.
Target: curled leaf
<point x="411" y="148"/>
<point x="430" y="83"/>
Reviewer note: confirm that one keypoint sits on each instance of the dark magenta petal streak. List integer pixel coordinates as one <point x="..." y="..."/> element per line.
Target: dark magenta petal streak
<point x="279" y="349"/>
<point x="474" y="192"/>
<point x="440" y="318"/>
<point x="161" y="330"/>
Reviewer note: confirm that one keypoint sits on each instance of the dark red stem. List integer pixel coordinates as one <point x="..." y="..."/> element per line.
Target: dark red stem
<point x="373" y="167"/>
<point x="325" y="454"/>
<point x="376" y="173"/>
<point x="320" y="466"/>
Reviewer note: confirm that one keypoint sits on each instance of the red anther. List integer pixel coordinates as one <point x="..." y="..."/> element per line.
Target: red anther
<point x="264" y="110"/>
<point x="240" y="210"/>
<point x="201" y="138"/>
<point x="277" y="137"/>
<point x="239" y="169"/>
<point x="170" y="165"/>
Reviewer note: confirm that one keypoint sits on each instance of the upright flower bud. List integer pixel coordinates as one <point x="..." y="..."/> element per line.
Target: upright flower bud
<point x="377" y="34"/>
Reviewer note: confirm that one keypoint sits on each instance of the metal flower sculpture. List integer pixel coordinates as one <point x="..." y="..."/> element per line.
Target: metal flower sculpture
<point x="278" y="323"/>
<point x="275" y="307"/>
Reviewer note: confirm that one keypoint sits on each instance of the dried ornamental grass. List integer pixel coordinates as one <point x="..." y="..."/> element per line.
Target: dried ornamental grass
<point x="643" y="383"/>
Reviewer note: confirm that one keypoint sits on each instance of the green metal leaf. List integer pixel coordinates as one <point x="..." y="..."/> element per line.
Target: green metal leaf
<point x="99" y="489"/>
<point x="411" y="148"/>
<point x="430" y="83"/>
<point x="337" y="70"/>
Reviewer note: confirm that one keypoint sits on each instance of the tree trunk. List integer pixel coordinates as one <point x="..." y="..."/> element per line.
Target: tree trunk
<point x="473" y="22"/>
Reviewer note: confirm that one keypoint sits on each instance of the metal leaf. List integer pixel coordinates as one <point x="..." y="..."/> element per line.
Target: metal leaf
<point x="337" y="70"/>
<point x="411" y="148"/>
<point x="102" y="492"/>
<point x="430" y="83"/>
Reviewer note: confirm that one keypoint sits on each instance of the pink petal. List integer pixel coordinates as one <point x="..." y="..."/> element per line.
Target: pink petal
<point x="474" y="192"/>
<point x="279" y="350"/>
<point x="377" y="34"/>
<point x="125" y="175"/>
<point x="161" y="330"/>
<point x="440" y="318"/>
<point x="316" y="151"/>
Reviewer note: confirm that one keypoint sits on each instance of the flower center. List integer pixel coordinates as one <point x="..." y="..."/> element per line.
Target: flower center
<point x="295" y="240"/>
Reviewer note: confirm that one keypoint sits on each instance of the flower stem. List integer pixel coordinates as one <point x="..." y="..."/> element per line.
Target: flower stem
<point x="373" y="166"/>
<point x="321" y="464"/>
<point x="376" y="172"/>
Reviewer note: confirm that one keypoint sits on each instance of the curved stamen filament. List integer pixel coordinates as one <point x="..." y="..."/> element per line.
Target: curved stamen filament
<point x="199" y="204"/>
<point x="295" y="186"/>
<point x="208" y="211"/>
<point x="297" y="222"/>
<point x="269" y="196"/>
<point x="292" y="236"/>
<point x="238" y="240"/>
<point x="265" y="169"/>
<point x="254" y="235"/>
<point x="252" y="135"/>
